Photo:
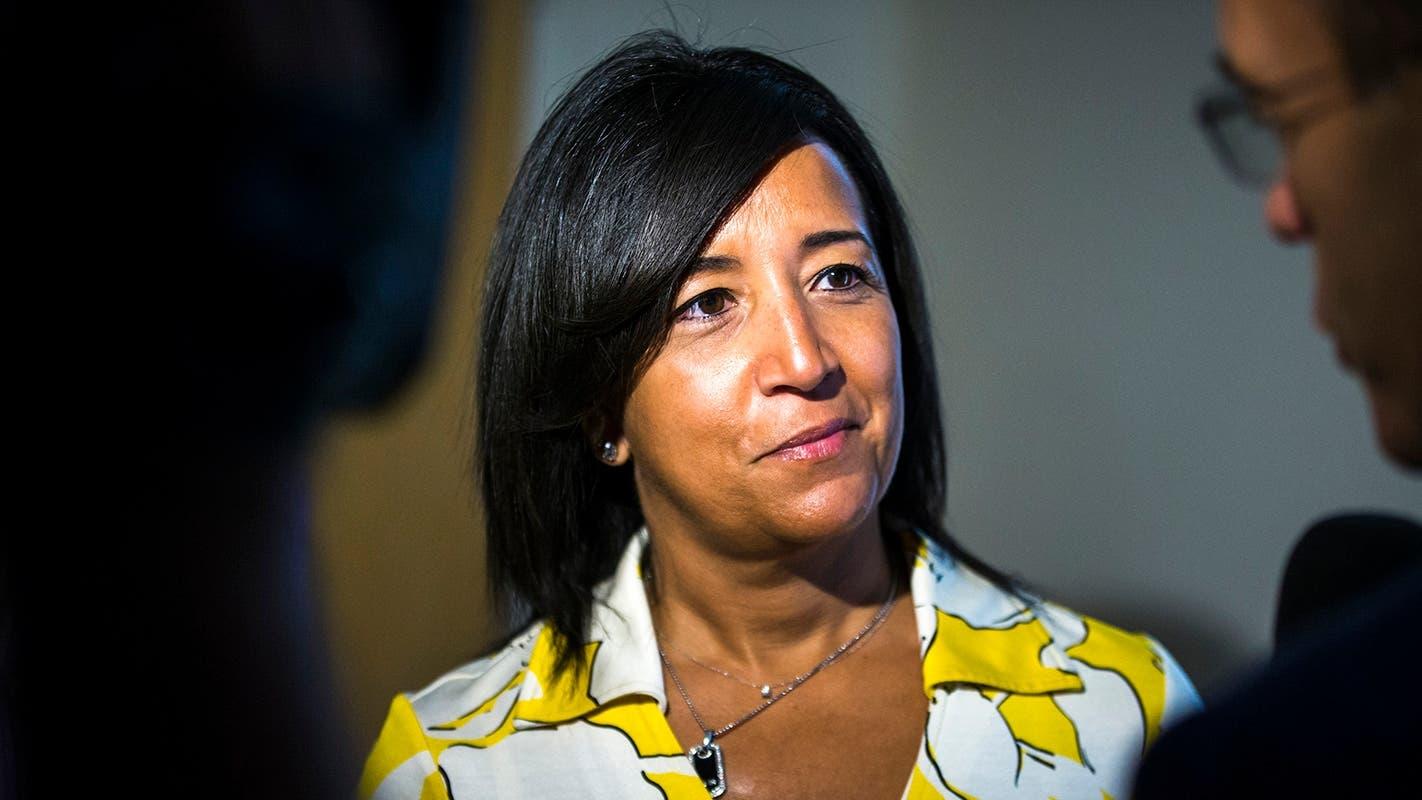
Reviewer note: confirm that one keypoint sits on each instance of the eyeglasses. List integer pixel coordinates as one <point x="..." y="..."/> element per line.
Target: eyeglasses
<point x="1247" y="140"/>
<point x="1247" y="147"/>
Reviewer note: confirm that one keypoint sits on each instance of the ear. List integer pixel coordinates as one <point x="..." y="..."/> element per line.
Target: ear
<point x="609" y="443"/>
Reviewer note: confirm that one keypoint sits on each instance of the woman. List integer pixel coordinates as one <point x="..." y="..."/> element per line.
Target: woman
<point x="712" y="464"/>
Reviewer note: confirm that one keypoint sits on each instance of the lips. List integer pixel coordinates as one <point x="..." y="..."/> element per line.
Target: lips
<point x="810" y="436"/>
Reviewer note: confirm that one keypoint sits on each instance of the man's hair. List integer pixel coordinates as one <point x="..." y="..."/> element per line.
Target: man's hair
<point x="1379" y="38"/>
<point x="632" y="173"/>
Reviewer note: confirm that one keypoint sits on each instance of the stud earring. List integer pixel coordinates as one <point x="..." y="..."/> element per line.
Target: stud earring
<point x="608" y="452"/>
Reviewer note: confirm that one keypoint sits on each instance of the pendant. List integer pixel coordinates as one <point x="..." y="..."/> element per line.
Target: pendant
<point x="710" y="767"/>
<point x="765" y="691"/>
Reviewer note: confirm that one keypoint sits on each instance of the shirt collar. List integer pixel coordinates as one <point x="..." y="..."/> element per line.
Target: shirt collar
<point x="971" y="631"/>
<point x="628" y="661"/>
<point x="621" y="653"/>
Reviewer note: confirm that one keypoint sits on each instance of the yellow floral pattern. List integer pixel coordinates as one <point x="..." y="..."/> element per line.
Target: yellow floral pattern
<point x="1027" y="699"/>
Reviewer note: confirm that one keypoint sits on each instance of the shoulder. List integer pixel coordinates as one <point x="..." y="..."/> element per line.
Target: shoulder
<point x="476" y="683"/>
<point x="1094" y="648"/>
<point x="1029" y="693"/>
<point x="511" y="725"/>
<point x="480" y="694"/>
<point x="1337" y="697"/>
<point x="1041" y="646"/>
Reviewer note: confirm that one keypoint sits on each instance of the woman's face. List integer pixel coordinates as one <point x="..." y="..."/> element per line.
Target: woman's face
<point x="774" y="411"/>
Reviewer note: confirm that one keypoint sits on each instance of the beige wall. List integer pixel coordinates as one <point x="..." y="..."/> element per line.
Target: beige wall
<point x="397" y="527"/>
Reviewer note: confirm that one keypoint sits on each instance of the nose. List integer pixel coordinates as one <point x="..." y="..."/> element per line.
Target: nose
<point x="791" y="353"/>
<point x="1286" y="220"/>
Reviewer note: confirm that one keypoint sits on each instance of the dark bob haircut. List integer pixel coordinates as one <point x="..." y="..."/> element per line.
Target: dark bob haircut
<point x="634" y="170"/>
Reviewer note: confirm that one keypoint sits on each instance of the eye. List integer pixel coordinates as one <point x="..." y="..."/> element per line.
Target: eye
<point x="841" y="277"/>
<point x="705" y="306"/>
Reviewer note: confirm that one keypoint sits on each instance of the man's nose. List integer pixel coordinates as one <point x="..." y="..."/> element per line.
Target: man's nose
<point x="1281" y="210"/>
<point x="792" y="354"/>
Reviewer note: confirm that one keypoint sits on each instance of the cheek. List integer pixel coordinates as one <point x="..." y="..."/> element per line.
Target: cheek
<point x="871" y="356"/>
<point x="680" y="403"/>
<point x="1354" y="244"/>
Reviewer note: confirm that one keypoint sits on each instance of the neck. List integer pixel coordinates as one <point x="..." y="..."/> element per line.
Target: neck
<point x="770" y="613"/>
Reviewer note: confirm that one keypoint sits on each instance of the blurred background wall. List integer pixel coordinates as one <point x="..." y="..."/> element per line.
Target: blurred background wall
<point x="1141" y="418"/>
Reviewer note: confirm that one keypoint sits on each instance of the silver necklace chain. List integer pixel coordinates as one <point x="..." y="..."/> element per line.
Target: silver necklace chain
<point x="765" y="689"/>
<point x="790" y="685"/>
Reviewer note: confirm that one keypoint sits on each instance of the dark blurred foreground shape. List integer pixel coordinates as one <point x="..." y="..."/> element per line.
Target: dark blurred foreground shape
<point x="395" y="521"/>
<point x="1332" y="714"/>
<point x="1337" y="561"/>
<point x="255" y="198"/>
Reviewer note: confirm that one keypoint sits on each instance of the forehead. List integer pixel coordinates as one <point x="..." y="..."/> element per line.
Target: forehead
<point x="807" y="190"/>
<point x="1275" y="40"/>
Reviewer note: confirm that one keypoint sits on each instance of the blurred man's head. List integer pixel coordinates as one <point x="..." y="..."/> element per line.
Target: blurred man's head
<point x="1339" y="83"/>
<point x="282" y="173"/>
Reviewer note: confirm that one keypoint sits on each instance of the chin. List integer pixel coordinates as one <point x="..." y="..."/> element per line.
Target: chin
<point x="1406" y="452"/>
<point x="1397" y="422"/>
<point x="831" y="509"/>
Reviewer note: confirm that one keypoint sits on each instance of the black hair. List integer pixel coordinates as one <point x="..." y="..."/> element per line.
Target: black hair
<point x="1378" y="39"/>
<point x="637" y="165"/>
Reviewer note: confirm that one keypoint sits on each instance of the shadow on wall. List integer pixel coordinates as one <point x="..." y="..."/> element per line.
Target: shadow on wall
<point x="1207" y="652"/>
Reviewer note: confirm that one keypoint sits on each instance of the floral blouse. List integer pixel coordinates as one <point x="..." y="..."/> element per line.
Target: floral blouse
<point x="1026" y="699"/>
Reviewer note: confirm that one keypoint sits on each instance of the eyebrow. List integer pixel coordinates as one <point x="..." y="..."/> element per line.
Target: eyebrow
<point x="1232" y="74"/>
<point x="822" y="239"/>
<point x="1267" y="94"/>
<point x="710" y="264"/>
<point x="815" y="241"/>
